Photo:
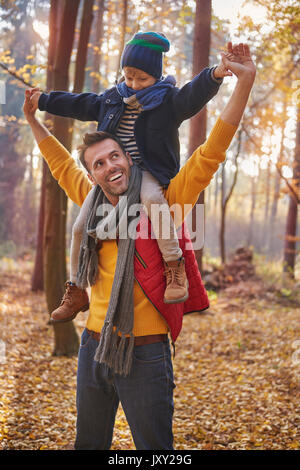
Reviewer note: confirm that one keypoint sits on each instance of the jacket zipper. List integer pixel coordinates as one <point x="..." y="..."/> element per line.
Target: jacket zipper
<point x="140" y="259"/>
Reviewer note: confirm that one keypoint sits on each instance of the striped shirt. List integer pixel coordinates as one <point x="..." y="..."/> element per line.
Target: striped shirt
<point x="125" y="131"/>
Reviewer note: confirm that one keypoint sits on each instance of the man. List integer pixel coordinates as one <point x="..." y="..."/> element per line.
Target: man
<point x="124" y="353"/>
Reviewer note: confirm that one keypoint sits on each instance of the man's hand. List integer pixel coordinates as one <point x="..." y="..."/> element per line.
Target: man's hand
<point x="35" y="94"/>
<point x="238" y="60"/>
<point x="237" y="54"/>
<point x="29" y="109"/>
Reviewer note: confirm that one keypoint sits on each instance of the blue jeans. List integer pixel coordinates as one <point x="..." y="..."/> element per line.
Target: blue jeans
<point x="146" y="395"/>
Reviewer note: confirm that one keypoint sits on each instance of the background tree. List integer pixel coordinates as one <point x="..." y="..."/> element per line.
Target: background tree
<point x="66" y="340"/>
<point x="294" y="201"/>
<point x="267" y="180"/>
<point x="97" y="45"/>
<point x="19" y="39"/>
<point x="278" y="51"/>
<point x="227" y="194"/>
<point x="124" y="9"/>
<point x="201" y="48"/>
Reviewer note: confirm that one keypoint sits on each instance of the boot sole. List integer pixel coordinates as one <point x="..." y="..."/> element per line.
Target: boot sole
<point x="64" y="320"/>
<point x="178" y="301"/>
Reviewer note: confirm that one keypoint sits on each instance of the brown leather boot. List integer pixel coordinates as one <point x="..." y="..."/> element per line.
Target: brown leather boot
<point x="177" y="283"/>
<point x="74" y="301"/>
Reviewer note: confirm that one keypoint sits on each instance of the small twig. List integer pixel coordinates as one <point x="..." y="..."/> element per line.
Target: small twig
<point x="15" y="75"/>
<point x="290" y="187"/>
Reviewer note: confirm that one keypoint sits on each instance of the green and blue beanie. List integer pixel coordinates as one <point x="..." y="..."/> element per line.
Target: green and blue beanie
<point x="145" y="52"/>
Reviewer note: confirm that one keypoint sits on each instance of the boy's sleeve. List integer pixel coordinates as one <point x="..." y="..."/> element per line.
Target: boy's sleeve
<point x="83" y="106"/>
<point x="193" y="96"/>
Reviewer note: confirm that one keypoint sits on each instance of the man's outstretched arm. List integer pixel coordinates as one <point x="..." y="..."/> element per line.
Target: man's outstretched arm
<point x="244" y="69"/>
<point x="61" y="164"/>
<point x="199" y="169"/>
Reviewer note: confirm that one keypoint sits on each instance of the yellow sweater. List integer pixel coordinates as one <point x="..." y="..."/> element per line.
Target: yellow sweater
<point x="185" y="188"/>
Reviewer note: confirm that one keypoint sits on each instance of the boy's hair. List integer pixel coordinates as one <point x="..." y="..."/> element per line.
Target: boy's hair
<point x="92" y="138"/>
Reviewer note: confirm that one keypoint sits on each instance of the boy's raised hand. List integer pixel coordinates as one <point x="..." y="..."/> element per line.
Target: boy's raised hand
<point x="220" y="71"/>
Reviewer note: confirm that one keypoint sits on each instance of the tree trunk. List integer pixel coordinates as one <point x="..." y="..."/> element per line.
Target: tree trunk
<point x="66" y="339"/>
<point x="225" y="199"/>
<point x="252" y="210"/>
<point x="201" y="48"/>
<point x="97" y="47"/>
<point x="223" y="208"/>
<point x="255" y="182"/>
<point x="122" y="36"/>
<point x="81" y="57"/>
<point x="265" y="234"/>
<point x="276" y="195"/>
<point x="216" y="189"/>
<point x="291" y="222"/>
<point x="37" y="282"/>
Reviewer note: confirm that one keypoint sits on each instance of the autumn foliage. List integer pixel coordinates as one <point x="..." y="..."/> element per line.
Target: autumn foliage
<point x="237" y="364"/>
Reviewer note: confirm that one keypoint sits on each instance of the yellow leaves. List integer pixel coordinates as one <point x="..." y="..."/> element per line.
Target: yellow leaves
<point x="226" y="396"/>
<point x="50" y="408"/>
<point x="6" y="58"/>
<point x="242" y="385"/>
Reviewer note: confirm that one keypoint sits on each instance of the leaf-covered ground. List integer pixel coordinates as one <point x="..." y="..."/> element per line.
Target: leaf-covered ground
<point x="237" y="374"/>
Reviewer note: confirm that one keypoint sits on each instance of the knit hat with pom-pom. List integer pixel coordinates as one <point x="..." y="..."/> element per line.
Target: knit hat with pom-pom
<point x="145" y="52"/>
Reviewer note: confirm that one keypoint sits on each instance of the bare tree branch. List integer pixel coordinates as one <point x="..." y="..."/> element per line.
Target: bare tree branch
<point x="290" y="187"/>
<point x="274" y="87"/>
<point x="16" y="75"/>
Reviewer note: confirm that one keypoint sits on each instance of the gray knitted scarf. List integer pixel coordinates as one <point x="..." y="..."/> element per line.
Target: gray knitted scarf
<point x="106" y="222"/>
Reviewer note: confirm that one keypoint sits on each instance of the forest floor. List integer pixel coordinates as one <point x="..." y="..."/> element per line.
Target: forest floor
<point x="237" y="373"/>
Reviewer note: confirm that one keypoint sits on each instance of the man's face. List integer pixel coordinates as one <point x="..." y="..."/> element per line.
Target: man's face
<point x="109" y="167"/>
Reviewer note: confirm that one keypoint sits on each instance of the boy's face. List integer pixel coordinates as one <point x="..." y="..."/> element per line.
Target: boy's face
<point x="137" y="79"/>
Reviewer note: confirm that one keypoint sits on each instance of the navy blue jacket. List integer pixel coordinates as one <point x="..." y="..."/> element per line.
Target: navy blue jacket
<point x="156" y="130"/>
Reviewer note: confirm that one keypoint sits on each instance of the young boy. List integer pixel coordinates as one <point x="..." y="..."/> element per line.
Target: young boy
<point x="144" y="112"/>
